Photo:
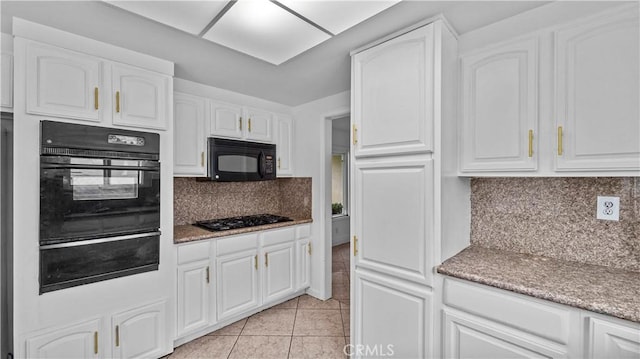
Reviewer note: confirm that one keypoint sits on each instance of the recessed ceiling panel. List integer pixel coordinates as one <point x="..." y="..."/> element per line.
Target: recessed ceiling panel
<point x="189" y="16"/>
<point x="264" y="30"/>
<point x="337" y="16"/>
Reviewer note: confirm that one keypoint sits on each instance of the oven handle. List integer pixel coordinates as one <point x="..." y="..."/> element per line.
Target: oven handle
<point x="99" y="240"/>
<point x="101" y="167"/>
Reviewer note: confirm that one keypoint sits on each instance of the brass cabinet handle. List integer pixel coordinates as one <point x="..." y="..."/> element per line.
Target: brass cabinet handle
<point x="240" y="122"/>
<point x="559" y="140"/>
<point x="96" y="105"/>
<point x="95" y="342"/>
<point x="309" y="248"/>
<point x="255" y="261"/>
<point x="266" y="259"/>
<point x="279" y="162"/>
<point x="117" y="335"/>
<point x="117" y="101"/>
<point x="355" y="135"/>
<point x="249" y="125"/>
<point x="355" y="246"/>
<point x="202" y="159"/>
<point x="207" y="275"/>
<point x="530" y="143"/>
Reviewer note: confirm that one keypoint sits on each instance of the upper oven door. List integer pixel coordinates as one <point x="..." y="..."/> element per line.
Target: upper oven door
<point x="84" y="198"/>
<point x="241" y="161"/>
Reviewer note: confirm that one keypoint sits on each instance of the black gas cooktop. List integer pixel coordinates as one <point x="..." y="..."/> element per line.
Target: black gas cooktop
<point x="225" y="224"/>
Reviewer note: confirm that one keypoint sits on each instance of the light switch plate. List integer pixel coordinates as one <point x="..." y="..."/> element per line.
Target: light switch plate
<point x="608" y="208"/>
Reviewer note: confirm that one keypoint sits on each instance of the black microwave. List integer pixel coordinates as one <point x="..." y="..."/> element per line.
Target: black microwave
<point x="238" y="161"/>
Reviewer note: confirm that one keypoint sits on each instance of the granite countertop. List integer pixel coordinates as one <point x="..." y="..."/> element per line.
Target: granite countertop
<point x="600" y="289"/>
<point x="189" y="233"/>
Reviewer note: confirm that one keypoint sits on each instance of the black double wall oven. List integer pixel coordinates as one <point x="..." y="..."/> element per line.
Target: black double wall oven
<point x="99" y="204"/>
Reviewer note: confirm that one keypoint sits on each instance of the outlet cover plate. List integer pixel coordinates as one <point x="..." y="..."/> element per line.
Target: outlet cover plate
<point x="608" y="208"/>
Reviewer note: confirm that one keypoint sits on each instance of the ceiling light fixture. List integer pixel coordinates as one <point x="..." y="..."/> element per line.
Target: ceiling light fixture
<point x="218" y="17"/>
<point x="303" y="18"/>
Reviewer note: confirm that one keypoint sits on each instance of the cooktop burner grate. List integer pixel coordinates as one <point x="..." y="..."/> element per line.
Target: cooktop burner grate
<point x="225" y="224"/>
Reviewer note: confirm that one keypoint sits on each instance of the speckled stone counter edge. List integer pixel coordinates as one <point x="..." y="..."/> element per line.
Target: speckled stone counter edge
<point x="463" y="266"/>
<point x="189" y="233"/>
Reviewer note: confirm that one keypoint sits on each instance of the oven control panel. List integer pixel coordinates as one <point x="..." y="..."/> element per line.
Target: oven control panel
<point x="268" y="164"/>
<point x="126" y="140"/>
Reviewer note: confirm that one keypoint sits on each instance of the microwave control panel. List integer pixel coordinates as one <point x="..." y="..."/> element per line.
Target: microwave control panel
<point x="268" y="164"/>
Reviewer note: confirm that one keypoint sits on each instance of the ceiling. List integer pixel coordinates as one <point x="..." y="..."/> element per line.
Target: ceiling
<point x="318" y="72"/>
<point x="270" y="30"/>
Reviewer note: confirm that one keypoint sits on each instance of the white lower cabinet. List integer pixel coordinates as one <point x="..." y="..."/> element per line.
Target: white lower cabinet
<point x="81" y="340"/>
<point x="610" y="340"/>
<point x="140" y="332"/>
<point x="303" y="259"/>
<point x="194" y="296"/>
<point x="480" y="321"/>
<point x="392" y="318"/>
<point x="279" y="267"/>
<point x="466" y="336"/>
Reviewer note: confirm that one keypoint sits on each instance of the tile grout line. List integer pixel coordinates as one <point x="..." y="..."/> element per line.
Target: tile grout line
<point x="237" y="338"/>
<point x="294" y="327"/>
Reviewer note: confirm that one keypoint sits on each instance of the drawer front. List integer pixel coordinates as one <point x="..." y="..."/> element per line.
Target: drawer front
<point x="303" y="231"/>
<point x="192" y="252"/>
<point x="278" y="236"/>
<point x="235" y="244"/>
<point x="514" y="310"/>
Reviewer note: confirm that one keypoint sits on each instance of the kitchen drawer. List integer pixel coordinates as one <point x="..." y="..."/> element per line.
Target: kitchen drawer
<point x="303" y="231"/>
<point x="276" y="236"/>
<point x="526" y="314"/>
<point x="235" y="244"/>
<point x="192" y="252"/>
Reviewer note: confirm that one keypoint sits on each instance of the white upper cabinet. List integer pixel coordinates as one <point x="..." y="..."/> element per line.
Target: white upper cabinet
<point x="284" y="145"/>
<point x="393" y="96"/>
<point x="499" y="108"/>
<point x="259" y="125"/>
<point x="235" y="121"/>
<point x="139" y="97"/>
<point x="64" y="83"/>
<point x="597" y="91"/>
<point x="226" y="120"/>
<point x="189" y="149"/>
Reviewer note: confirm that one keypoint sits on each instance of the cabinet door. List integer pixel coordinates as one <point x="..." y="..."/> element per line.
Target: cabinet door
<point x="468" y="337"/>
<point x="259" y="125"/>
<point x="63" y="83"/>
<point x="81" y="340"/>
<point x="597" y="91"/>
<point x="141" y="332"/>
<point x="499" y="120"/>
<point x="394" y="222"/>
<point x="226" y="120"/>
<point x="194" y="296"/>
<point x="237" y="283"/>
<point x="6" y="78"/>
<point x="189" y="157"/>
<point x="278" y="276"/>
<point x="303" y="258"/>
<point x="284" y="145"/>
<point x="610" y="340"/>
<point x="140" y="97"/>
<point x="382" y="306"/>
<point x="393" y="95"/>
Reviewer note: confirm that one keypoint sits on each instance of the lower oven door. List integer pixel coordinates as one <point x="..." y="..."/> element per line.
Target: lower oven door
<point x="86" y="198"/>
<point x="70" y="264"/>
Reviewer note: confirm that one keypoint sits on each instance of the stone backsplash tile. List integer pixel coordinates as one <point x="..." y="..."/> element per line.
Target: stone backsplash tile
<point x="196" y="200"/>
<point x="555" y="217"/>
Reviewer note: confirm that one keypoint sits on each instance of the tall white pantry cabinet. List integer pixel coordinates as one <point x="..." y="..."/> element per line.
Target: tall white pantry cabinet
<point x="404" y="163"/>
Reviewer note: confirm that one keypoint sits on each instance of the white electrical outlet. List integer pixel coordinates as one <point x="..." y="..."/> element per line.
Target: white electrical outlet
<point x="608" y="208"/>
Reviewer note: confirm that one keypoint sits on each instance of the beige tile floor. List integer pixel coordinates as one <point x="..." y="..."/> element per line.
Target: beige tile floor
<point x="303" y="327"/>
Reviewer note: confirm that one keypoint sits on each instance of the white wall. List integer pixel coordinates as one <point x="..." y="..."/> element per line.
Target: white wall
<point x="311" y="134"/>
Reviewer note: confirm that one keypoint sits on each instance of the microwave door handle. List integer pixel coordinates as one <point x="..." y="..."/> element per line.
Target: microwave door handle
<point x="261" y="164"/>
